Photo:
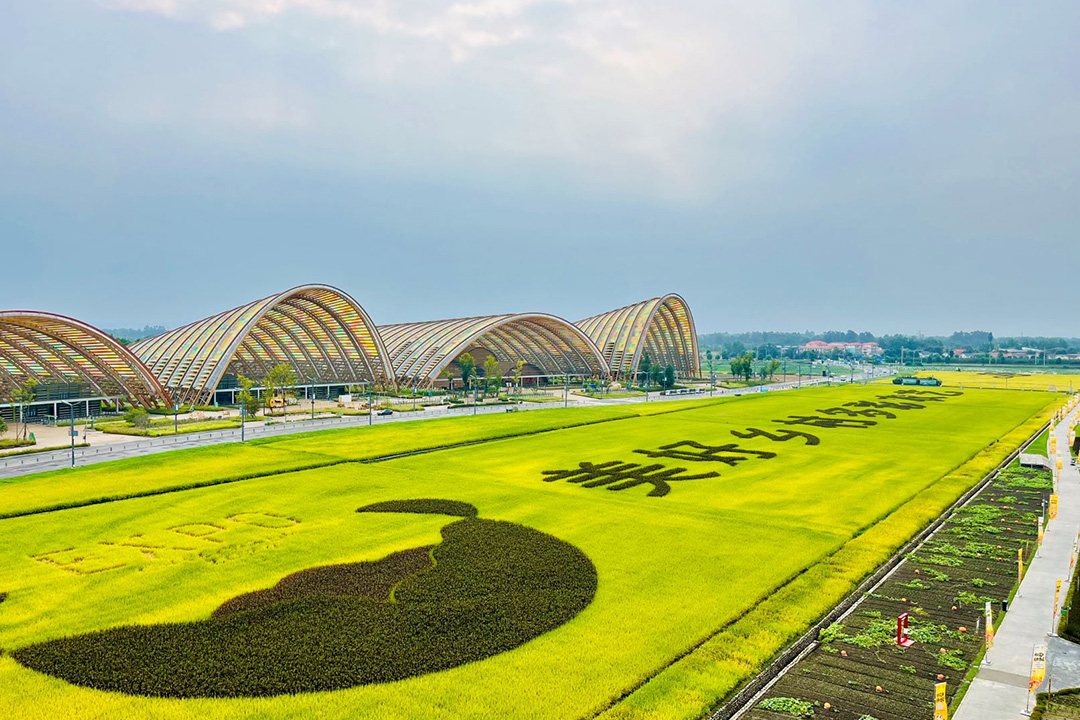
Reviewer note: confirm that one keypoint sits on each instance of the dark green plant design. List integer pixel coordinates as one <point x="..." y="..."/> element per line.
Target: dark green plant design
<point x="488" y="587"/>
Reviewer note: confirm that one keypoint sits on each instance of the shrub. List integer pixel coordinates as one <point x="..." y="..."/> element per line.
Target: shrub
<point x="788" y="706"/>
<point x="138" y="417"/>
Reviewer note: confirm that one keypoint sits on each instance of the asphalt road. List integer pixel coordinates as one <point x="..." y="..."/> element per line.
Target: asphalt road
<point x="58" y="459"/>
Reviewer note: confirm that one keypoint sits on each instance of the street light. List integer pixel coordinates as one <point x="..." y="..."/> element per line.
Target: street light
<point x="71" y="406"/>
<point x="175" y="418"/>
<point x="312" y="379"/>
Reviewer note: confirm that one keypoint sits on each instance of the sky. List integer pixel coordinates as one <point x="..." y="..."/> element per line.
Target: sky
<point x="893" y="167"/>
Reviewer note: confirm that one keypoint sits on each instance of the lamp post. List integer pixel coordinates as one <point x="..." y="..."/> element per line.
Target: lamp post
<point x="472" y="381"/>
<point x="371" y="404"/>
<point x="243" y="418"/>
<point x="175" y="418"/>
<point x="566" y="390"/>
<point x="71" y="409"/>
<point x="312" y="379"/>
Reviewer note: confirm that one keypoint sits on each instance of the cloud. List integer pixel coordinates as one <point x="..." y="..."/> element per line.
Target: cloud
<point x="616" y="90"/>
<point x="679" y="103"/>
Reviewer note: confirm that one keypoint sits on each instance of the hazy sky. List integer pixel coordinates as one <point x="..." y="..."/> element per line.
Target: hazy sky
<point x="895" y="167"/>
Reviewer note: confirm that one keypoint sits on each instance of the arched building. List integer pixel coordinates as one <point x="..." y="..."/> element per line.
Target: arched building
<point x="69" y="360"/>
<point x="662" y="326"/>
<point x="330" y="343"/>
<point x="318" y="330"/>
<point x="549" y="345"/>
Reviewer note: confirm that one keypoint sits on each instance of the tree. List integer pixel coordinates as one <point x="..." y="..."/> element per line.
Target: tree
<point x="743" y="366"/>
<point x="3" y="426"/>
<point x="644" y="366"/>
<point x="248" y="401"/>
<point x="656" y="375"/>
<point x="492" y="376"/>
<point x="281" y="377"/>
<point x="468" y="368"/>
<point x="518" y="367"/>
<point x="669" y="377"/>
<point x="23" y="396"/>
<point x="770" y="368"/>
<point x="448" y="373"/>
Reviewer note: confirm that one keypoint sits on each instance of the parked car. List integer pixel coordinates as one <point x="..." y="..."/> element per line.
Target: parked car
<point x="386" y="411"/>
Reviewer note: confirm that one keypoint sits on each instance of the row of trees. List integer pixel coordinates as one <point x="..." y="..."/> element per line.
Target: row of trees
<point x="743" y="367"/>
<point x="650" y="374"/>
<point x="488" y="378"/>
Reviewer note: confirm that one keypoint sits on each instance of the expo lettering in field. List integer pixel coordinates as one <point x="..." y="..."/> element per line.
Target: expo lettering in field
<point x="237" y="535"/>
<point x="857" y="415"/>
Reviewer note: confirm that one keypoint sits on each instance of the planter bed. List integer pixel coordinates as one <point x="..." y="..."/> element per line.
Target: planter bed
<point x="970" y="558"/>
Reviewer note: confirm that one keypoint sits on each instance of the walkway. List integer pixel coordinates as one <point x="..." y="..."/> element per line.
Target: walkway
<point x="1000" y="690"/>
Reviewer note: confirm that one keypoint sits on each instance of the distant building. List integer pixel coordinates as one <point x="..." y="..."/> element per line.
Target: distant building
<point x="867" y="349"/>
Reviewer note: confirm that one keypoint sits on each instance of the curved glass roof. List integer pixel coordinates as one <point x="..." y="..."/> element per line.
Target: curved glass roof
<point x="663" y="326"/>
<point x="318" y="330"/>
<point x="52" y="348"/>
<point x="420" y="351"/>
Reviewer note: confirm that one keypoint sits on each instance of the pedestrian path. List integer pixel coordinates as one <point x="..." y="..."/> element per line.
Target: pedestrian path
<point x="1000" y="690"/>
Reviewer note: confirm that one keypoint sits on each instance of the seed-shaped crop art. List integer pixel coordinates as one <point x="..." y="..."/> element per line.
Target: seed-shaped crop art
<point x="488" y="587"/>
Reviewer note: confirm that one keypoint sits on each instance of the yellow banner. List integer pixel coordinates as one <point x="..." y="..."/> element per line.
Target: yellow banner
<point x="1038" y="667"/>
<point x="989" y="626"/>
<point x="1057" y="598"/>
<point x="1053" y="506"/>
<point x="941" y="707"/>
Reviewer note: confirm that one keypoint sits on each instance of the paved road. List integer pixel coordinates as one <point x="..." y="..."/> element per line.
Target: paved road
<point x="1000" y="690"/>
<point x="58" y="459"/>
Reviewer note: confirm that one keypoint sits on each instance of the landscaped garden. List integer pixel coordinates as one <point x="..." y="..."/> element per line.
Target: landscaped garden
<point x="608" y="562"/>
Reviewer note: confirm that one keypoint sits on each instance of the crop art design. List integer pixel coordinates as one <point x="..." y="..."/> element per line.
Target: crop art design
<point x="618" y="475"/>
<point x="488" y="587"/>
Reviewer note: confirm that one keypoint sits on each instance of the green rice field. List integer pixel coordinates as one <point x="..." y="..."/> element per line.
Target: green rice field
<point x="613" y="562"/>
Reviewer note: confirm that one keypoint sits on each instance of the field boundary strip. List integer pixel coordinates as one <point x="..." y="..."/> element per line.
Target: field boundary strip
<point x="316" y="466"/>
<point x="744" y="699"/>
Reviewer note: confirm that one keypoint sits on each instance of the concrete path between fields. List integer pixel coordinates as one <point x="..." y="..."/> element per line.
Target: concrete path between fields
<point x="1000" y="690"/>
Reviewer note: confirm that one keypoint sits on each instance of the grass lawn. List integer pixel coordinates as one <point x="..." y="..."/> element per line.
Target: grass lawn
<point x="1039" y="445"/>
<point x="159" y="428"/>
<point x="697" y="587"/>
